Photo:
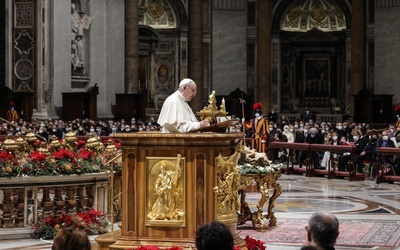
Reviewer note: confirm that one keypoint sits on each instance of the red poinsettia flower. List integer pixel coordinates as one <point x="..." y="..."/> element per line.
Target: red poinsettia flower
<point x="81" y="143"/>
<point x="6" y="156"/>
<point x="148" y="248"/>
<point x="37" y="143"/>
<point x="38" y="157"/>
<point x="85" y="154"/>
<point x="253" y="244"/>
<point x="63" y="153"/>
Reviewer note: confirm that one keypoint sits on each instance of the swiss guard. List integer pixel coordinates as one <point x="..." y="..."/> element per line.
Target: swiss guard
<point x="12" y="114"/>
<point x="259" y="129"/>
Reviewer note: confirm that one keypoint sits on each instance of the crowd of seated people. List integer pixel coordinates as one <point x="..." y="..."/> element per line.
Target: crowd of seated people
<point x="46" y="129"/>
<point x="365" y="140"/>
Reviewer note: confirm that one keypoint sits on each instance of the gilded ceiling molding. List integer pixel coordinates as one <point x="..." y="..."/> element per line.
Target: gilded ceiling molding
<point x="386" y="3"/>
<point x="158" y="14"/>
<point x="324" y="15"/>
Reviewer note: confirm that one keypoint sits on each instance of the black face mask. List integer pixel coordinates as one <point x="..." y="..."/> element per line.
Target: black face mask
<point x="373" y="140"/>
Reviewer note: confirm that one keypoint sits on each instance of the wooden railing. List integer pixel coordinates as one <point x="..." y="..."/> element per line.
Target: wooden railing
<point x="331" y="171"/>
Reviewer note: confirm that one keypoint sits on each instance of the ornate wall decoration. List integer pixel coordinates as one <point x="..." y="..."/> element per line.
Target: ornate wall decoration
<point x="24" y="15"/>
<point x="165" y="191"/>
<point x="303" y="16"/>
<point x="24" y="69"/>
<point x="23" y="53"/>
<point x="157" y="14"/>
<point x="163" y="73"/>
<point x="24" y="43"/>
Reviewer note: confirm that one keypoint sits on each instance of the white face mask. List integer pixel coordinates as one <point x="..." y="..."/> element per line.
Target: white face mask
<point x="286" y="130"/>
<point x="92" y="130"/>
<point x="334" y="138"/>
<point x="291" y="130"/>
<point x="339" y="127"/>
<point x="385" y="137"/>
<point x="257" y="115"/>
<point x="305" y="131"/>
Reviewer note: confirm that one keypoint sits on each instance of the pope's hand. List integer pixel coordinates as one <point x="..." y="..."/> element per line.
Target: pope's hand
<point x="204" y="123"/>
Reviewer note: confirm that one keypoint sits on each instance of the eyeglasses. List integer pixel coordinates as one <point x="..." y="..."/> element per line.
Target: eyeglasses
<point x="193" y="89"/>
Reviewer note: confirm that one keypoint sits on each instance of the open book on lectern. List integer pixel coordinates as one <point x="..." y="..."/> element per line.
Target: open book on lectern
<point x="219" y="126"/>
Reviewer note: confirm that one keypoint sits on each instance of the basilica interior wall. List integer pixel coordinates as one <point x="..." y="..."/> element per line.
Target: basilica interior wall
<point x="229" y="51"/>
<point x="60" y="50"/>
<point x="387" y="51"/>
<point x="106" y="52"/>
<point x="103" y="53"/>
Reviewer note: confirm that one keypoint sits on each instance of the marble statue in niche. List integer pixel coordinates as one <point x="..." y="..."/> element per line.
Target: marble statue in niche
<point x="79" y="22"/>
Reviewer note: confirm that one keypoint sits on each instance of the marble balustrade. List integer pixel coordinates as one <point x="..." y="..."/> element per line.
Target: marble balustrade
<point x="25" y="199"/>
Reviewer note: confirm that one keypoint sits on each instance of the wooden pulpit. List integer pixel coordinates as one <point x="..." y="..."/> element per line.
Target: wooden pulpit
<point x="174" y="183"/>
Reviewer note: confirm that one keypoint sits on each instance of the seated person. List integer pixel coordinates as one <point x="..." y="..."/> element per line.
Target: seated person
<point x="214" y="236"/>
<point x="323" y="230"/>
<point x="366" y="153"/>
<point x="71" y="239"/>
<point x="359" y="141"/>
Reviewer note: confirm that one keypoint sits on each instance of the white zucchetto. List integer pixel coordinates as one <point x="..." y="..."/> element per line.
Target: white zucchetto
<point x="185" y="82"/>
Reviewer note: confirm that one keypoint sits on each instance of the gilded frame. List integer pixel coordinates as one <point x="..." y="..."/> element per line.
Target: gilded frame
<point x="316" y="77"/>
<point x="155" y="176"/>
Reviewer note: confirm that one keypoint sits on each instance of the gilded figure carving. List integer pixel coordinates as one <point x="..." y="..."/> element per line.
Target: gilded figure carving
<point x="168" y="203"/>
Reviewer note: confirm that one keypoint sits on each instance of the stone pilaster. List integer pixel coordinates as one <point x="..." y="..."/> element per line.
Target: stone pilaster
<point x="131" y="46"/>
<point x="358" y="47"/>
<point x="195" y="63"/>
<point x="264" y="54"/>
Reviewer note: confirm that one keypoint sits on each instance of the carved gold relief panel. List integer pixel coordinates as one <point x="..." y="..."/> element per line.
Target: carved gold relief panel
<point x="165" y="191"/>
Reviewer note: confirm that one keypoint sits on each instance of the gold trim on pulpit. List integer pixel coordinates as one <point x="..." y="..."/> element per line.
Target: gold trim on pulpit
<point x="165" y="191"/>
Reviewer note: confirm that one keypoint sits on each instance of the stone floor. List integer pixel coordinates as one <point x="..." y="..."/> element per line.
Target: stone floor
<point x="301" y="196"/>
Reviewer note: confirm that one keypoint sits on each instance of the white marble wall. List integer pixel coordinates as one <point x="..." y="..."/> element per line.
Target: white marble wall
<point x="229" y="51"/>
<point x="387" y="51"/>
<point x="60" y="50"/>
<point x="104" y="52"/>
<point x="107" y="52"/>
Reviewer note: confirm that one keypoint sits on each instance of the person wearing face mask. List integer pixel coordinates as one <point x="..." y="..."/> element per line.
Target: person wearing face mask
<point x="307" y="116"/>
<point x="273" y="116"/>
<point x="176" y="115"/>
<point x="367" y="152"/>
<point x="360" y="142"/>
<point x="314" y="138"/>
<point x="384" y="141"/>
<point x="43" y="134"/>
<point x="56" y="132"/>
<point x="259" y="129"/>
<point x="81" y="131"/>
<point x="341" y="132"/>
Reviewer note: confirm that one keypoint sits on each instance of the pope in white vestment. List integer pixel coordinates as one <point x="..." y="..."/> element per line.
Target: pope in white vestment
<point x="176" y="115"/>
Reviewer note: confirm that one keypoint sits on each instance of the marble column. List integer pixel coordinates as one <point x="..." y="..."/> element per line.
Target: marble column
<point x="264" y="54"/>
<point x="358" y="47"/>
<point x="131" y="46"/>
<point x="195" y="64"/>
